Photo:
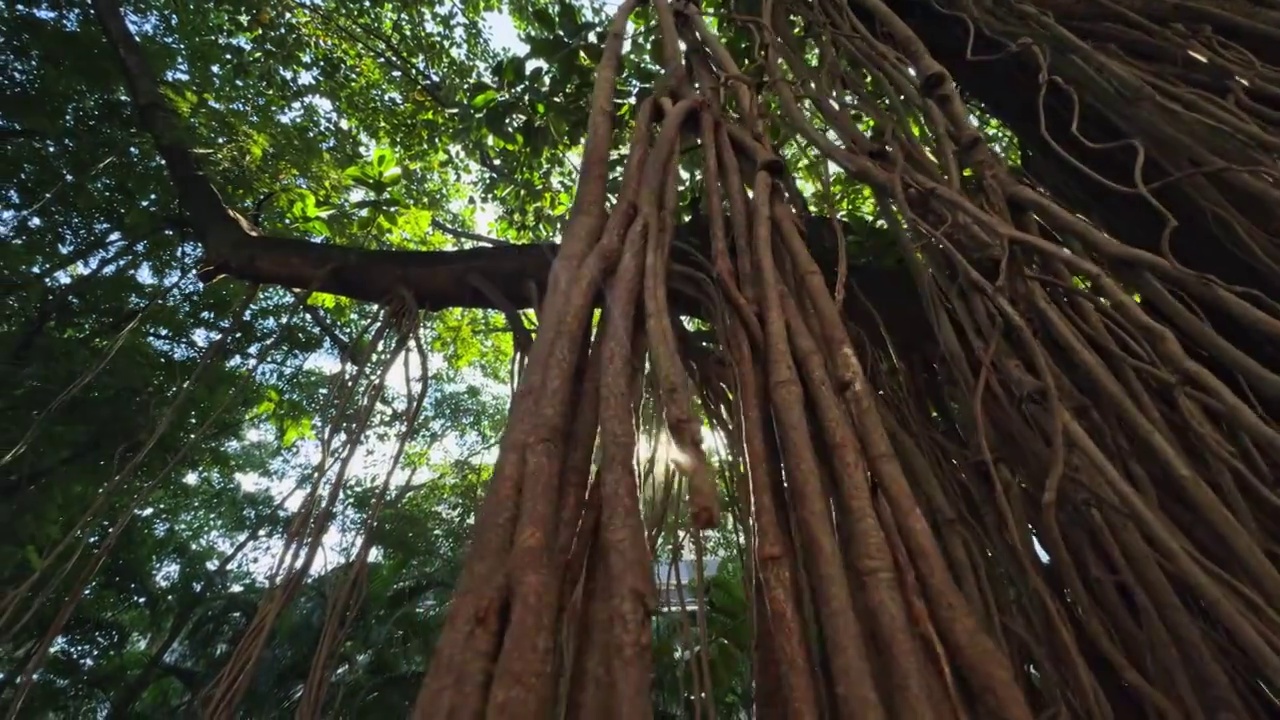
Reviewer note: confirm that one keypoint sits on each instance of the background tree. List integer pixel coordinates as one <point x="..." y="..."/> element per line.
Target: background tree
<point x="947" y="327"/>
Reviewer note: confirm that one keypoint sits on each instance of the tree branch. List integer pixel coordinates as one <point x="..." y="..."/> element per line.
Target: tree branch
<point x="235" y="248"/>
<point x="467" y="234"/>
<point x="435" y="279"/>
<point x="211" y="220"/>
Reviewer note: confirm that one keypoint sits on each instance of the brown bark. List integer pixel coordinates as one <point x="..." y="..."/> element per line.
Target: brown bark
<point x="1073" y="140"/>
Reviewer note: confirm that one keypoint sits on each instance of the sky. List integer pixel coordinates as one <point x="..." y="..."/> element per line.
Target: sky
<point x="504" y="37"/>
<point x="503" y="33"/>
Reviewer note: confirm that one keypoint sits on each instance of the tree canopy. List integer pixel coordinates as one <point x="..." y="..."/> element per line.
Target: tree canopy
<point x="850" y="358"/>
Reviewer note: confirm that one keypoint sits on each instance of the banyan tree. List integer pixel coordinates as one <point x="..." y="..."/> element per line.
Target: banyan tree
<point x="963" y="314"/>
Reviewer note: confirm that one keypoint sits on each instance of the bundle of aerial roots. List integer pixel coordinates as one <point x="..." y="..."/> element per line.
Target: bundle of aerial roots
<point x="1061" y="514"/>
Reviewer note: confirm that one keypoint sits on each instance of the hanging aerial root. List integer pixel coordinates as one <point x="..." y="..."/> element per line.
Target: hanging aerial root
<point x="774" y="560"/>
<point x="848" y="658"/>
<point x="782" y="633"/>
<point x="343" y="607"/>
<point x="589" y="695"/>
<point x="1037" y="401"/>
<point x="79" y="536"/>
<point x="305" y="535"/>
<point x="624" y="555"/>
<point x="517" y="520"/>
<point x="982" y="662"/>
<point x="657" y="212"/>
<point x="869" y="552"/>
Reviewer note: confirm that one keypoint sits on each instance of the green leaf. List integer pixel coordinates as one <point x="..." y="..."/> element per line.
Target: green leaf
<point x="33" y="557"/>
<point x="296" y="429"/>
<point x="323" y="300"/>
<point x="484" y="99"/>
<point x="383" y="159"/>
<point x="315" y="226"/>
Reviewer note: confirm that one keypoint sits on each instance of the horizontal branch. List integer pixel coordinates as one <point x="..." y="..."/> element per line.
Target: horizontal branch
<point x="518" y="273"/>
<point x="513" y="275"/>
<point x="435" y="279"/>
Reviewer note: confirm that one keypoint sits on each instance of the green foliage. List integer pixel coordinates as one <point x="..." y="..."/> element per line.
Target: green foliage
<point x="676" y="649"/>
<point x="298" y="106"/>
